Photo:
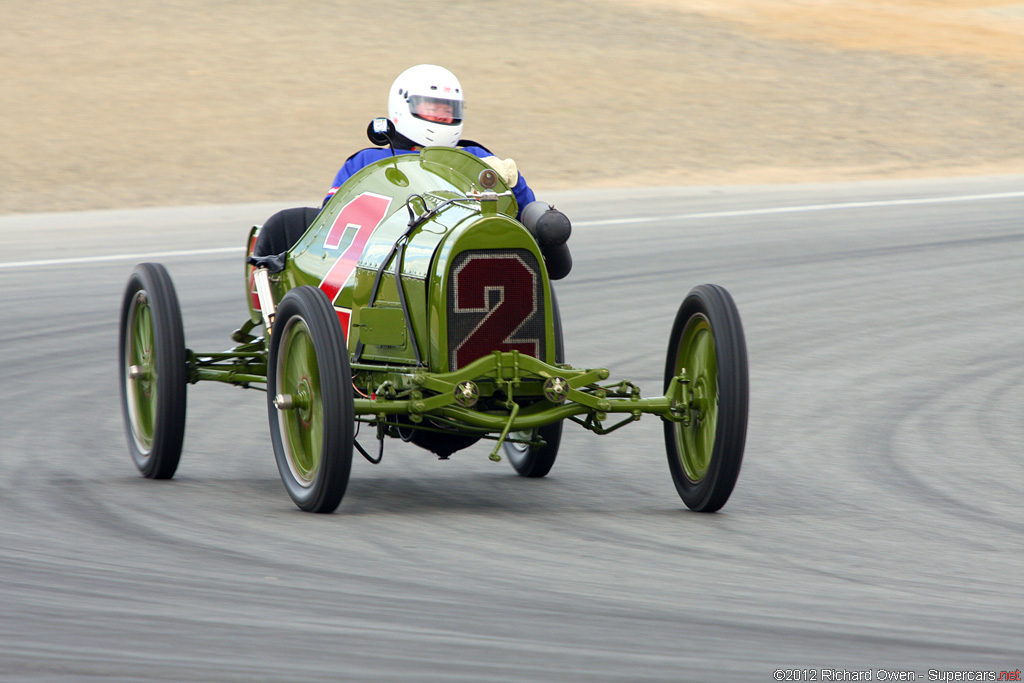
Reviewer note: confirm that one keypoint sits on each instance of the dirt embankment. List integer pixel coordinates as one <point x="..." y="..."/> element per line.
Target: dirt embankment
<point x="107" y="105"/>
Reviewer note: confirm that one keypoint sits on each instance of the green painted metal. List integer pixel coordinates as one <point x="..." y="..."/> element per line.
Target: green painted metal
<point x="510" y="384"/>
<point x="245" y="365"/>
<point x="515" y="378"/>
<point x="433" y="176"/>
<point x="382" y="327"/>
<point x="484" y="233"/>
<point x="696" y="436"/>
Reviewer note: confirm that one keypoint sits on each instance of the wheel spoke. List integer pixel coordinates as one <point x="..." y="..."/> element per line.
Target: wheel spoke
<point x="294" y="362"/>
<point x="138" y="338"/>
<point x="140" y="391"/>
<point x="299" y="357"/>
<point x="315" y="430"/>
<point x="696" y="440"/>
<point x="146" y="331"/>
<point x="707" y="369"/>
<point x="303" y="425"/>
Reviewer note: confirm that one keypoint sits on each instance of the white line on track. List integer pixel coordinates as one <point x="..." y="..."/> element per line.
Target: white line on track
<point x="119" y="257"/>
<point x="581" y="224"/>
<point x="799" y="209"/>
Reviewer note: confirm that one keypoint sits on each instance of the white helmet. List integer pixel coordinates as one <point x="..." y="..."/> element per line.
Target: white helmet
<point x="425" y="104"/>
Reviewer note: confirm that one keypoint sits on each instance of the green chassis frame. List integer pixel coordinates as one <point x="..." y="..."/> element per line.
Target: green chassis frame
<point x="550" y="393"/>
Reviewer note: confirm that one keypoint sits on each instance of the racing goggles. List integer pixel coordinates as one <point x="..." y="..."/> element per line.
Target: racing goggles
<point x="436" y="109"/>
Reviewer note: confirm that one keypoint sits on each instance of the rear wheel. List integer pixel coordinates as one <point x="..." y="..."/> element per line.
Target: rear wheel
<point x="309" y="400"/>
<point x="705" y="452"/>
<point x="536" y="461"/>
<point x="153" y="370"/>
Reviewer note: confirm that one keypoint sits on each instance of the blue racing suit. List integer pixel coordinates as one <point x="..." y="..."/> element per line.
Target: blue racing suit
<point x="523" y="193"/>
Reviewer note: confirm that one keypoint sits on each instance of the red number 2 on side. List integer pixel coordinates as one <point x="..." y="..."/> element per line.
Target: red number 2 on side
<point x="354" y="225"/>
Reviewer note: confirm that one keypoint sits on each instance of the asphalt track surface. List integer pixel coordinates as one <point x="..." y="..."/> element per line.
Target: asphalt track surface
<point x="877" y="522"/>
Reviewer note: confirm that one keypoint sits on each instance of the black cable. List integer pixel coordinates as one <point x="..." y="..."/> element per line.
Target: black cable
<point x="380" y="456"/>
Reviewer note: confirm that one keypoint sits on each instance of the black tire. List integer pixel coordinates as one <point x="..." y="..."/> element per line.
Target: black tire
<point x="536" y="461"/>
<point x="153" y="370"/>
<point x="705" y="456"/>
<point x="308" y="362"/>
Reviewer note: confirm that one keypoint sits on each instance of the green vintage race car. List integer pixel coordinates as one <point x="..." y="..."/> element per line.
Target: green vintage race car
<point x="417" y="307"/>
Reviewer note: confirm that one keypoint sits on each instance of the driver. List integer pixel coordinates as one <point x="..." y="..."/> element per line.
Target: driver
<point x="426" y="105"/>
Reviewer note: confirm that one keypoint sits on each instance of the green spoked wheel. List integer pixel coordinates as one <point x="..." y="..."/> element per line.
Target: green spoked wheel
<point x="705" y="451"/>
<point x="309" y="395"/>
<point x="536" y="461"/>
<point x="153" y="371"/>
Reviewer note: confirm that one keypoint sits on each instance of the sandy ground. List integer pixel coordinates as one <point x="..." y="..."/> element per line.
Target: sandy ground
<point x="109" y="104"/>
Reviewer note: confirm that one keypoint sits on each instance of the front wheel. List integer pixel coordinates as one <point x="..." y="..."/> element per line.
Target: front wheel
<point x="705" y="450"/>
<point x="153" y="371"/>
<point x="309" y="400"/>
